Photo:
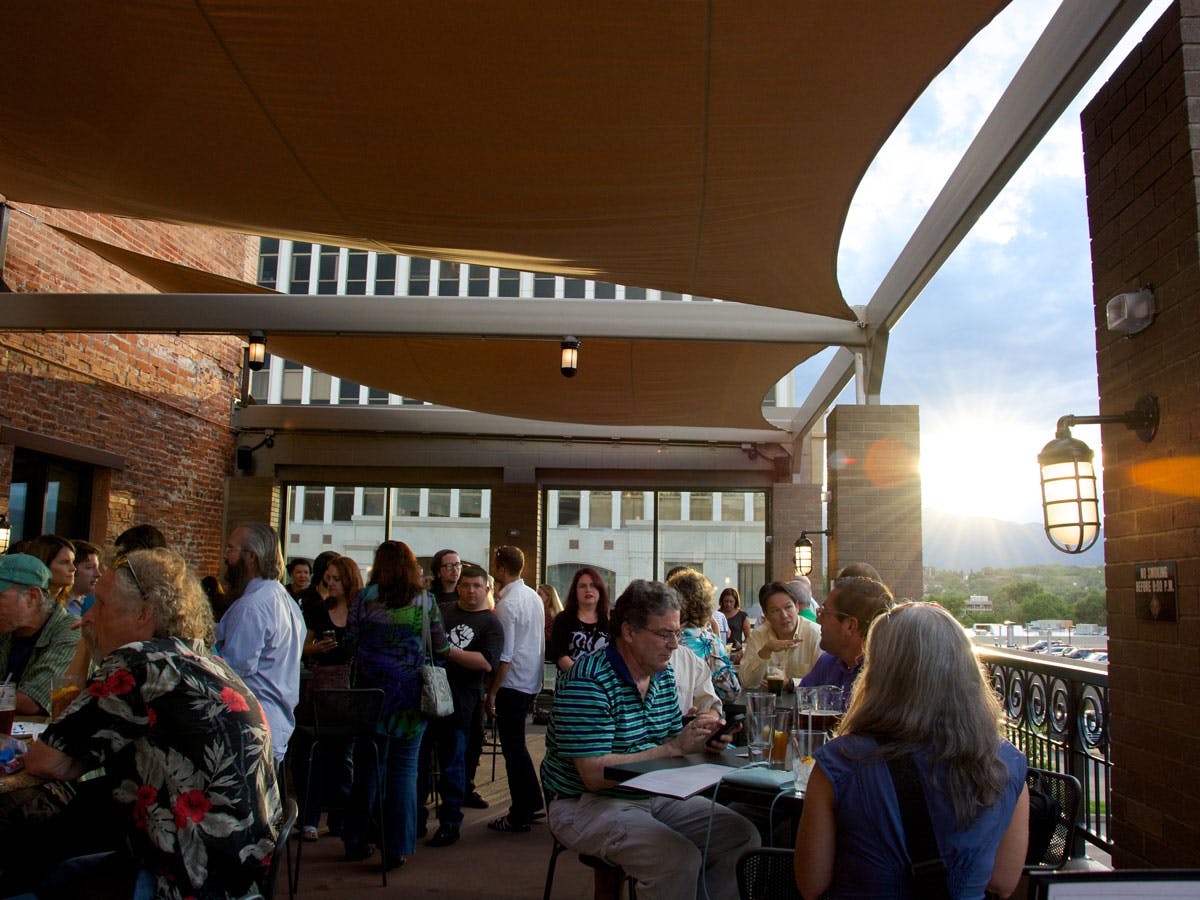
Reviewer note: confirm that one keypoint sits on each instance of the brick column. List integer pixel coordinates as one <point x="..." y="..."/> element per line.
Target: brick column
<point x="795" y="507"/>
<point x="251" y="499"/>
<point x="1141" y="136"/>
<point x="875" y="487"/>
<point x="517" y="522"/>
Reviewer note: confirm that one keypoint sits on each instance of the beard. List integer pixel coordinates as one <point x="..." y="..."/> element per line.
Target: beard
<point x="235" y="579"/>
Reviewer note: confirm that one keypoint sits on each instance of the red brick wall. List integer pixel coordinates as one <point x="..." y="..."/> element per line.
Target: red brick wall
<point x="1141" y="157"/>
<point x="162" y="402"/>
<point x="875" y="493"/>
<point x="795" y="508"/>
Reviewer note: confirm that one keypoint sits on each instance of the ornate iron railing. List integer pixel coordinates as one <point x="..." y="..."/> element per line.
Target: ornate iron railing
<point x="1058" y="715"/>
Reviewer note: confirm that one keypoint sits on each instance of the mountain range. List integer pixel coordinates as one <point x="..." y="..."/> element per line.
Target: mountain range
<point x="970" y="543"/>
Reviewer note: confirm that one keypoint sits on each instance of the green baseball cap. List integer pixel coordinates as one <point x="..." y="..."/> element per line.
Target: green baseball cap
<point x="21" y="568"/>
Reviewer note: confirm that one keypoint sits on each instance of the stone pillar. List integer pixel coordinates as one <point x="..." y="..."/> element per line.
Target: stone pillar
<point x="517" y="522"/>
<point x="794" y="507"/>
<point x="875" y="493"/>
<point x="1141" y="137"/>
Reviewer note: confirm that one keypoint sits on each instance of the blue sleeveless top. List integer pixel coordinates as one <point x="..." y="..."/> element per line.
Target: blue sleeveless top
<point x="871" y="859"/>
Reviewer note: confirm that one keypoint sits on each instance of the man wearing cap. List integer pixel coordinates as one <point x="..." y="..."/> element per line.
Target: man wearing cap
<point x="36" y="637"/>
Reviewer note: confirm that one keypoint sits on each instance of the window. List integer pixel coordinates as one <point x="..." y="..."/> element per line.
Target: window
<point x="573" y="288"/>
<point x="760" y="506"/>
<point x="600" y="509"/>
<point x="376" y="397"/>
<point x="769" y="398"/>
<point x="327" y="273"/>
<point x="411" y="401"/>
<point x="470" y="504"/>
<point x="314" y="503"/>
<point x="605" y="291"/>
<point x="543" y="285"/>
<point x="343" y="504"/>
<point x="408" y="501"/>
<point x="49" y="494"/>
<point x="356" y="272"/>
<point x="670" y="506"/>
<point x="632" y="506"/>
<point x="373" y="501"/>
<point x="478" y="281"/>
<point x="319" y="387"/>
<point x="448" y="279"/>
<point x="268" y="262"/>
<point x="348" y="391"/>
<point x="301" y="265"/>
<point x="635" y="293"/>
<point x="751" y="576"/>
<point x="439" y="502"/>
<point x="701" y="507"/>
<point x="260" y="382"/>
<point x="293" y="382"/>
<point x="568" y="508"/>
<point x="385" y="275"/>
<point x="733" y="506"/>
<point x="509" y="283"/>
<point x="418" y="277"/>
<point x="670" y="295"/>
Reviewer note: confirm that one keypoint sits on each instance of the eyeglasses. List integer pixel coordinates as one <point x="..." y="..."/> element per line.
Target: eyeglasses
<point x="123" y="560"/>
<point x="823" y="611"/>
<point x="456" y="565"/>
<point x="666" y="635"/>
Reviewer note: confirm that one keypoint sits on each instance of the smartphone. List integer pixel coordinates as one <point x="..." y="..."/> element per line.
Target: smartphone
<point x="732" y="725"/>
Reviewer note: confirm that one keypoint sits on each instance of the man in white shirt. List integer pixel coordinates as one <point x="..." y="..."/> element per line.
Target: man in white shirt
<point x="786" y="641"/>
<point x="262" y="632"/>
<point x="518" y="680"/>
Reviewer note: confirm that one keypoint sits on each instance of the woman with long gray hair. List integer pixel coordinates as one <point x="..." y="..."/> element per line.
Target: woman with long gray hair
<point x="921" y="699"/>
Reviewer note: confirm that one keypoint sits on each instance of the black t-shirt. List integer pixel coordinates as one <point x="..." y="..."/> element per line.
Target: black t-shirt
<point x="316" y="619"/>
<point x="479" y="631"/>
<point x="570" y="637"/>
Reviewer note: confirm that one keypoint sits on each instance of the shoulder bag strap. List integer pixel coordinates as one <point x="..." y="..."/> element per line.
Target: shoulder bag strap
<point x="929" y="874"/>
<point x="426" y="641"/>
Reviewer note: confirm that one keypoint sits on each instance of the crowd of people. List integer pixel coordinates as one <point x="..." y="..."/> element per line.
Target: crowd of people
<point x="186" y="699"/>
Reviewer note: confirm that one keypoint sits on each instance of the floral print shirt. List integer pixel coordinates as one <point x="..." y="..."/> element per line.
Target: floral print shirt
<point x="709" y="648"/>
<point x="387" y="644"/>
<point x="186" y="747"/>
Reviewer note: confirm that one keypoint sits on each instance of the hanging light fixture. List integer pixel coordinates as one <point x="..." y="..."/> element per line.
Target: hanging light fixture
<point x="256" y="354"/>
<point x="570" y="356"/>
<point x="5" y="533"/>
<point x="802" y="553"/>
<point x="1070" y="502"/>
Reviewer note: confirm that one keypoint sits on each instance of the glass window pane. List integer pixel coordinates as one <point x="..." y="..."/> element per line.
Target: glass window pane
<point x="605" y="290"/>
<point x="701" y="507"/>
<point x="385" y="275"/>
<point x="377" y="397"/>
<point x="356" y="272"/>
<point x="671" y="295"/>
<point x="301" y="264"/>
<point x="769" y="398"/>
<point x="573" y="288"/>
<point x="260" y="381"/>
<point x="348" y="391"/>
<point x="343" y="504"/>
<point x="760" y="506"/>
<point x="632" y="507"/>
<point x="478" y="281"/>
<point x="635" y="293"/>
<point x="314" y="503"/>
<point x="733" y="506"/>
<point x="448" y="279"/>
<point x="408" y="501"/>
<point x="543" y="285"/>
<point x="470" y="504"/>
<point x="418" y="277"/>
<point x="670" y="507"/>
<point x="509" y="283"/>
<point x="600" y="509"/>
<point x="373" y="501"/>
<point x="327" y="275"/>
<point x="568" y="508"/>
<point x="721" y="551"/>
<point x="439" y="502"/>
<point x="319" y="387"/>
<point x="268" y="262"/>
<point x="293" y="382"/>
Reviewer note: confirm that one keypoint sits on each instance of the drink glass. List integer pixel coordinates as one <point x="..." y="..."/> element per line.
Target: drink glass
<point x="830" y="701"/>
<point x="784" y="720"/>
<point x="760" y="721"/>
<point x="8" y="706"/>
<point x="802" y="744"/>
<point x="775" y="680"/>
<point x="64" y="689"/>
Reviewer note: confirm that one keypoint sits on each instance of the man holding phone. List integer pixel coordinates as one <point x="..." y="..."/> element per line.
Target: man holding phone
<point x="620" y="706"/>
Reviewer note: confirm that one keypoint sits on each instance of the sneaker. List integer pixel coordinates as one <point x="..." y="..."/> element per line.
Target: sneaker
<point x="505" y="824"/>
<point x="444" y="837"/>
<point x="310" y="834"/>
<point x="474" y="801"/>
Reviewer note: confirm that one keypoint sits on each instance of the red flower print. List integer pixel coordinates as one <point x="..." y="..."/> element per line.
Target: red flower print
<point x="235" y="701"/>
<point x="151" y="715"/>
<point x="99" y="689"/>
<point x="120" y="682"/>
<point x="146" y="795"/>
<point x="191" y="805"/>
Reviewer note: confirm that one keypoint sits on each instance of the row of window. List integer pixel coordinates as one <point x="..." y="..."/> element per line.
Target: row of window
<point x="318" y="503"/>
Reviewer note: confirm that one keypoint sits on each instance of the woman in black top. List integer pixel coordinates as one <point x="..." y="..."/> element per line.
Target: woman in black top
<point x="582" y="626"/>
<point x="739" y="623"/>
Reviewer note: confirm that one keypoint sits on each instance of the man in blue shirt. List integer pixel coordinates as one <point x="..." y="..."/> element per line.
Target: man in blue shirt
<point x="619" y="705"/>
<point x="845" y="620"/>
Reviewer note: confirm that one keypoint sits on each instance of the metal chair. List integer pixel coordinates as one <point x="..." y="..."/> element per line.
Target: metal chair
<point x="767" y="874"/>
<point x="291" y="812"/>
<point x="607" y="879"/>
<point x="346" y="714"/>
<point x="1067" y="793"/>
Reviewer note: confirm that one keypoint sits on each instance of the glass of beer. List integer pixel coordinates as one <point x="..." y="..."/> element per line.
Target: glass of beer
<point x="8" y="706"/>
<point x="63" y="689"/>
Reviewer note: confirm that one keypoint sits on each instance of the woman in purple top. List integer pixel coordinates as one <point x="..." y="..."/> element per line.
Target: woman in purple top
<point x="921" y="694"/>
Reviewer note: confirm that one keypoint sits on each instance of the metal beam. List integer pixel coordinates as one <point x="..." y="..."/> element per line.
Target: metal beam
<point x="451" y="317"/>
<point x="1074" y="45"/>
<point x="833" y="380"/>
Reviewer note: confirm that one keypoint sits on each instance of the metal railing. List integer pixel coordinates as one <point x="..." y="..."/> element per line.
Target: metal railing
<point x="1058" y="716"/>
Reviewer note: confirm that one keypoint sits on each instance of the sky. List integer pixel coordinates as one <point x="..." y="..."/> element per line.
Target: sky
<point x="1001" y="343"/>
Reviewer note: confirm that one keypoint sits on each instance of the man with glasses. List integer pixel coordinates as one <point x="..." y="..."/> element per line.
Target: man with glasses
<point x="262" y="633"/>
<point x="446" y="568"/>
<point x="845" y="619"/>
<point x="786" y="642"/>
<point x="617" y="706"/>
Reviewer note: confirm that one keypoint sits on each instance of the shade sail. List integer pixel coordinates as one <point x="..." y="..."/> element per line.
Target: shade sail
<point x="706" y="148"/>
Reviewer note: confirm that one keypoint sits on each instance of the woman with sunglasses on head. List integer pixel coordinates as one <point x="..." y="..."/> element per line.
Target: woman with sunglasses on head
<point x="921" y="700"/>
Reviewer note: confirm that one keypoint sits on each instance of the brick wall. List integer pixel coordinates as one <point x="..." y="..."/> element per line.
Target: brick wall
<point x="162" y="402"/>
<point x="875" y="486"/>
<point x="1141" y="142"/>
<point x="795" y="508"/>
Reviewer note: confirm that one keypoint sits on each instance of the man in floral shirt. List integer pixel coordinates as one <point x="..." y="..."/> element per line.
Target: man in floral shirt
<point x="182" y="740"/>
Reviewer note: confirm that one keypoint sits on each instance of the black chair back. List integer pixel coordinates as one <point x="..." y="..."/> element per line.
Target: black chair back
<point x="346" y="712"/>
<point x="767" y="874"/>
<point x="1062" y="796"/>
<point x="291" y="811"/>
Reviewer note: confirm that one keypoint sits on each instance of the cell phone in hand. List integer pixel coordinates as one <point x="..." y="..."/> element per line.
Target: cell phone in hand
<point x="732" y="725"/>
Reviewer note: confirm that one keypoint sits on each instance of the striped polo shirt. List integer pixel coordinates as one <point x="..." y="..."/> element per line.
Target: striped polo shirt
<point x="598" y="710"/>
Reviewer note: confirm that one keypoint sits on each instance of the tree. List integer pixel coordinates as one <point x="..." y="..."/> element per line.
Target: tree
<point x="956" y="604"/>
<point x="1092" y="608"/>
<point x="1044" y="605"/>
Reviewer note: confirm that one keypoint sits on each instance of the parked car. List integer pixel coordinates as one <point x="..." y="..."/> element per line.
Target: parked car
<point x="1044" y="646"/>
<point x="1100" y="656"/>
<point x="1075" y="653"/>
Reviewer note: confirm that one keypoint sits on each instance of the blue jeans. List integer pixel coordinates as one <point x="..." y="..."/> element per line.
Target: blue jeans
<point x="449" y="742"/>
<point x="512" y="708"/>
<point x="399" y="758"/>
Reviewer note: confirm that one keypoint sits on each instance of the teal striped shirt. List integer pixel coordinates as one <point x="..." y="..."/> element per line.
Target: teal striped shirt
<point x="598" y="710"/>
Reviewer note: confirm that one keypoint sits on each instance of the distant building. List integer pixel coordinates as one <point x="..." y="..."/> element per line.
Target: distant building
<point x="979" y="603"/>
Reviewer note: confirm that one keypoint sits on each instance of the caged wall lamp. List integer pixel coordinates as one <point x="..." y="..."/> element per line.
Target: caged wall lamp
<point x="802" y="553"/>
<point x="570" y="356"/>
<point x="1070" y="504"/>
<point x="256" y="353"/>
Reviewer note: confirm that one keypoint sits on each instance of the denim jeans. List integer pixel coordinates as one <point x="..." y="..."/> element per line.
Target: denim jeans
<point x="399" y="758"/>
<point x="512" y="708"/>
<point x="449" y="742"/>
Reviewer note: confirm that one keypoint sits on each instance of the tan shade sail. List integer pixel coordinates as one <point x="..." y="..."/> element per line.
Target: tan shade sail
<point x="706" y="148"/>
